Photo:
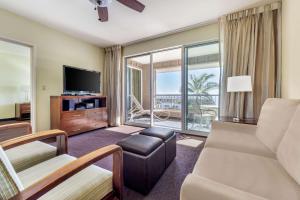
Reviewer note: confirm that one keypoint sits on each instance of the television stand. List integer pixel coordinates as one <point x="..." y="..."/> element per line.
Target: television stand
<point x="78" y="114"/>
<point x="70" y="94"/>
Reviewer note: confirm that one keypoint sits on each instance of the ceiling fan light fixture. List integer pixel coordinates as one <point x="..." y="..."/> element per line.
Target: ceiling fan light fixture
<point x="101" y="3"/>
<point x="102" y="7"/>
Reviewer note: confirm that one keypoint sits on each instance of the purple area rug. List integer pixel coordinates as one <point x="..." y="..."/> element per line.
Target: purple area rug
<point x="167" y="188"/>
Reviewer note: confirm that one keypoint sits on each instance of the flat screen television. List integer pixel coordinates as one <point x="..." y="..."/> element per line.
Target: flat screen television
<point x="78" y="80"/>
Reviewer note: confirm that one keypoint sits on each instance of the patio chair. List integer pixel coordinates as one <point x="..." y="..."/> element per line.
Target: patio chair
<point x="27" y="155"/>
<point x="137" y="110"/>
<point x="205" y="116"/>
<point x="63" y="177"/>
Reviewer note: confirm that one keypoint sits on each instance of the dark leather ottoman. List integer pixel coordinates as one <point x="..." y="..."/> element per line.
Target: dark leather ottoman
<point x="144" y="162"/>
<point x="169" y="138"/>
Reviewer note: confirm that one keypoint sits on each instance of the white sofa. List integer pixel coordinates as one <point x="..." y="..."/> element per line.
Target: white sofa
<point x="241" y="162"/>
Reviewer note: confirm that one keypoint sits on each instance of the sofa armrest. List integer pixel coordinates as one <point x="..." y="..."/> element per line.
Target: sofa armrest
<point x="49" y="182"/>
<point x="219" y="127"/>
<point x="62" y="140"/>
<point x="196" y="187"/>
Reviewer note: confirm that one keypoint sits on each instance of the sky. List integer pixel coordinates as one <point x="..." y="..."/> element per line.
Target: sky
<point x="170" y="82"/>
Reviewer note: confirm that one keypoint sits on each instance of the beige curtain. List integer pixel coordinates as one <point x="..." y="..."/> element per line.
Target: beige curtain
<point x="250" y="42"/>
<point x="112" y="84"/>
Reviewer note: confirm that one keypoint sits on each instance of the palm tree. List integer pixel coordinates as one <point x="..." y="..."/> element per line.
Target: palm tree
<point x="201" y="85"/>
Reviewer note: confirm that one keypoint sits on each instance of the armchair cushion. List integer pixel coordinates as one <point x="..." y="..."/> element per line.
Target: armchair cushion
<point x="10" y="184"/>
<point x="8" y="188"/>
<point x="257" y="175"/>
<point x="91" y="183"/>
<point x="30" y="154"/>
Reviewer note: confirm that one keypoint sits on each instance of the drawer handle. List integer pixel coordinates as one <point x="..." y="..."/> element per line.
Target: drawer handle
<point x="76" y="115"/>
<point x="76" y="130"/>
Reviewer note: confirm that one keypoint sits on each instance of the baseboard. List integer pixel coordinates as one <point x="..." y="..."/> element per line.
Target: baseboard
<point x="8" y="119"/>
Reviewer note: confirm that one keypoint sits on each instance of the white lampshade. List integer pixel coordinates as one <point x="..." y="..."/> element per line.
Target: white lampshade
<point x="239" y="84"/>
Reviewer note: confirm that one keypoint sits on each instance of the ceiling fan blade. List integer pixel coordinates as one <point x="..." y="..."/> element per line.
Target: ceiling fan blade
<point x="133" y="4"/>
<point x="103" y="14"/>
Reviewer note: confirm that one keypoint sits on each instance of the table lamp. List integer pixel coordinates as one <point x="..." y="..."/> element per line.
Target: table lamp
<point x="239" y="84"/>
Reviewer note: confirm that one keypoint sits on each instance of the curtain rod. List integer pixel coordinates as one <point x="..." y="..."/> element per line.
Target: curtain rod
<point x="252" y="11"/>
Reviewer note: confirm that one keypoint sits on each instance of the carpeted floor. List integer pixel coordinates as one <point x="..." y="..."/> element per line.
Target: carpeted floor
<point x="167" y="188"/>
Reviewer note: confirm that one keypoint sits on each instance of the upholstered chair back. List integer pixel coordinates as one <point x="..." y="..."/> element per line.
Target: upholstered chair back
<point x="10" y="184"/>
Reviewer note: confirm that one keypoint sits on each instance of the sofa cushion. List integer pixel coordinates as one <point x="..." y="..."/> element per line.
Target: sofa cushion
<point x="238" y="141"/>
<point x="274" y="120"/>
<point x="91" y="183"/>
<point x="219" y="127"/>
<point x="289" y="149"/>
<point x="258" y="175"/>
<point x="196" y="187"/>
<point x="27" y="155"/>
<point x="140" y="144"/>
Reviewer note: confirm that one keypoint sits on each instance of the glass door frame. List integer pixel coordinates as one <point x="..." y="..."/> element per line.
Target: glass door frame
<point x="126" y="91"/>
<point x="185" y="86"/>
<point x="184" y="94"/>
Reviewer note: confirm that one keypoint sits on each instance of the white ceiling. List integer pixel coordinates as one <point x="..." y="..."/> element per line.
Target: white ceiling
<point x="77" y="17"/>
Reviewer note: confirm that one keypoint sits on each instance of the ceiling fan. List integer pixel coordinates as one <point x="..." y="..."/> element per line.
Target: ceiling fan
<point x="101" y="7"/>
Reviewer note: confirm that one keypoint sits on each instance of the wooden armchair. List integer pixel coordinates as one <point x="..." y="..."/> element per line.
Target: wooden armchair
<point x="25" y="155"/>
<point x="68" y="177"/>
<point x="10" y="131"/>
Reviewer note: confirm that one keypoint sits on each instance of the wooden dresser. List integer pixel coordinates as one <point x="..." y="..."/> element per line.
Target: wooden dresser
<point x="77" y="114"/>
<point x="22" y="111"/>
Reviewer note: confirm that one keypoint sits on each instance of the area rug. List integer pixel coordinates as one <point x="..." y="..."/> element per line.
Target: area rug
<point x="167" y="188"/>
<point x="125" y="129"/>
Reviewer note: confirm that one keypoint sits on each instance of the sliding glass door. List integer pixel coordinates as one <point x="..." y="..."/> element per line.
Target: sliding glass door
<point x="176" y="88"/>
<point x="167" y="88"/>
<point x="138" y="90"/>
<point x="202" y="78"/>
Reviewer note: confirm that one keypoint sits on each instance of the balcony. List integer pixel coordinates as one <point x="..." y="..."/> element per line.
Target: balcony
<point x="201" y="111"/>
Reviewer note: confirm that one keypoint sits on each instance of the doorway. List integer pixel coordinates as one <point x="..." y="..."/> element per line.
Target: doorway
<point x="16" y="83"/>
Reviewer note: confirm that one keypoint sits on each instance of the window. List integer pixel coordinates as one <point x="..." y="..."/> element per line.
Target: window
<point x="174" y="89"/>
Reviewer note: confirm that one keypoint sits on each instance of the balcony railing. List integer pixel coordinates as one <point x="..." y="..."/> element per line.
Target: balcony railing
<point x="174" y="101"/>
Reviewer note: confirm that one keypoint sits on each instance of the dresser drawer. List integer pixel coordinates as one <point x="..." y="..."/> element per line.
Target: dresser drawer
<point x="72" y="127"/>
<point x="100" y="114"/>
<point x="25" y="108"/>
<point x="95" y="124"/>
<point x="73" y="115"/>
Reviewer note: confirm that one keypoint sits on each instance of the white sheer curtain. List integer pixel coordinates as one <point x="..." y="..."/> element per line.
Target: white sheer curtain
<point x="250" y="42"/>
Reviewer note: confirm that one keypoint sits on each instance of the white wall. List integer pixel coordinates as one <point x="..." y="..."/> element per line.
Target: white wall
<point x="53" y="49"/>
<point x="291" y="49"/>
<point x="200" y="34"/>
